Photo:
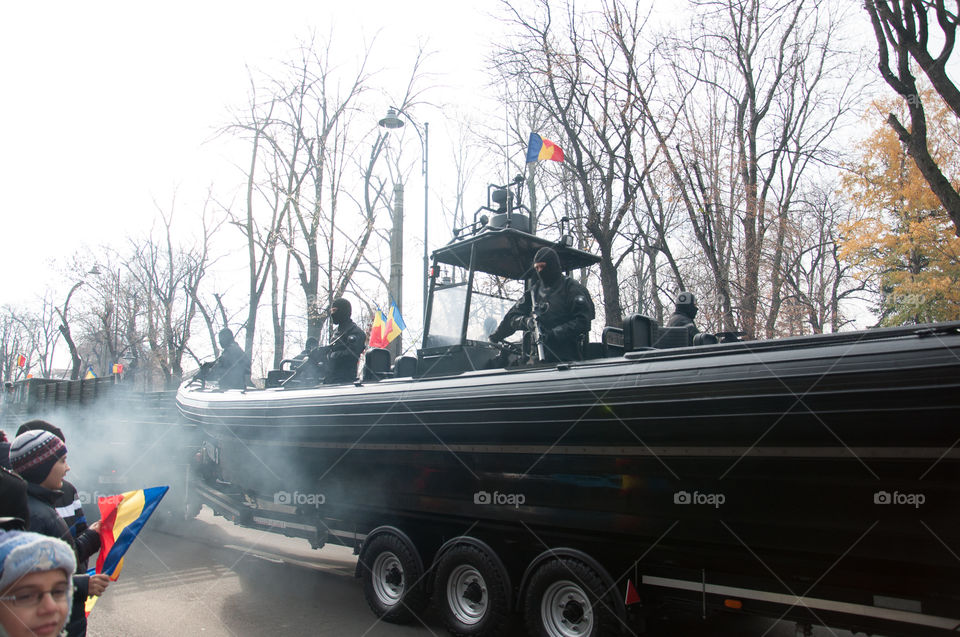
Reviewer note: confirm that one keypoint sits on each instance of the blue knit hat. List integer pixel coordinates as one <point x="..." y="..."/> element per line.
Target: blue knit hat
<point x="33" y="453"/>
<point x="23" y="552"/>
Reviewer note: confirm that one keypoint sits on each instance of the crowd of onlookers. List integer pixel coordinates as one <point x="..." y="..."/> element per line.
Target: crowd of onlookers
<point x="45" y="541"/>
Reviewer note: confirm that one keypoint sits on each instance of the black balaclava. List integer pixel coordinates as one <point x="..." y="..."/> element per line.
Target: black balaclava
<point x="551" y="271"/>
<point x="687" y="304"/>
<point x="225" y="337"/>
<point x="342" y="314"/>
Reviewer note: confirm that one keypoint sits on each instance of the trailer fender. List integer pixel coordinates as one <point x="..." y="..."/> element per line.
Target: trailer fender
<point x="387" y="530"/>
<point x="466" y="540"/>
<point x="552" y="554"/>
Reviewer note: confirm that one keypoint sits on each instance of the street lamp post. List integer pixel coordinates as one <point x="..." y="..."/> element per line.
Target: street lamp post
<point x="393" y="121"/>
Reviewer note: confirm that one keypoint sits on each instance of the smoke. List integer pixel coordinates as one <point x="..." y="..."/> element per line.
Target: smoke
<point x="122" y="441"/>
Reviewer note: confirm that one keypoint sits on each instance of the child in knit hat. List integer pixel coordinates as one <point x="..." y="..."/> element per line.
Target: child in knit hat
<point x="35" y="584"/>
<point x="41" y="459"/>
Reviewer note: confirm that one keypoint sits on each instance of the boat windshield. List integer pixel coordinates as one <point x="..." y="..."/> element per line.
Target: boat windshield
<point x="446" y="317"/>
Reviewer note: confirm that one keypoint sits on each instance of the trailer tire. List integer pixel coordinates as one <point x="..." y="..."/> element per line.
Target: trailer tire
<point x="392" y="579"/>
<point x="567" y="598"/>
<point x="472" y="592"/>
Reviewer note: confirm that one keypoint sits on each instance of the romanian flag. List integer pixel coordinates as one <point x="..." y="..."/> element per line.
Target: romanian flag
<point x="90" y="373"/>
<point x="121" y="519"/>
<point x="540" y="148"/>
<point x="395" y="324"/>
<point x="21" y="360"/>
<point x="378" y="333"/>
<point x="117" y="368"/>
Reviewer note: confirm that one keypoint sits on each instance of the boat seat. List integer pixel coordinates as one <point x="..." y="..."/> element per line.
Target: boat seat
<point x="405" y="366"/>
<point x="638" y="332"/>
<point x="376" y="364"/>
<point x="611" y="340"/>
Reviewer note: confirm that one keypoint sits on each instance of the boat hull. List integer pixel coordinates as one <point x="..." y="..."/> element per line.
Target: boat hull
<point x="823" y="464"/>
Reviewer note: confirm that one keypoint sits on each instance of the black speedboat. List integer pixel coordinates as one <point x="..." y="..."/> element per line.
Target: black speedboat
<point x="813" y="477"/>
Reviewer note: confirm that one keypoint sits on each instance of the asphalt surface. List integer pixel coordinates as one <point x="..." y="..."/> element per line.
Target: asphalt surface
<point x="209" y="577"/>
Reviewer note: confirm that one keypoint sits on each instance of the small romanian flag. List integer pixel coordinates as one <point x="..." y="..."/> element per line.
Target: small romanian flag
<point x="540" y="148"/>
<point x="121" y="518"/>
<point x="117" y="368"/>
<point x="378" y="332"/>
<point x="395" y="324"/>
<point x="21" y="360"/>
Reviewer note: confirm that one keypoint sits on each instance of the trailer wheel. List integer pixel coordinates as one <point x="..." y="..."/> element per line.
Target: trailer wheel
<point x="472" y="592"/>
<point x="392" y="579"/>
<point x="567" y="598"/>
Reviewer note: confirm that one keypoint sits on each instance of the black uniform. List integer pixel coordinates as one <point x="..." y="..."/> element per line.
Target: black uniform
<point x="346" y="347"/>
<point x="686" y="311"/>
<point x="561" y="306"/>
<point x="232" y="369"/>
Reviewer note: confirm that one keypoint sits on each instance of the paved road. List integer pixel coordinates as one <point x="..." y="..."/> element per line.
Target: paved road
<point x="208" y="577"/>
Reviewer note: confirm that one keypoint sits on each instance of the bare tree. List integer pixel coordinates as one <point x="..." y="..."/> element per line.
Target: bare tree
<point x="64" y="329"/>
<point x="574" y="71"/>
<point x="759" y="89"/>
<point x="903" y="26"/>
<point x="168" y="278"/>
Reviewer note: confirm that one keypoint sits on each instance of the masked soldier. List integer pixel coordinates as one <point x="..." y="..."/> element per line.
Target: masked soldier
<point x="560" y="306"/>
<point x="346" y="347"/>
<point x="685" y="311"/>
<point x="232" y="369"/>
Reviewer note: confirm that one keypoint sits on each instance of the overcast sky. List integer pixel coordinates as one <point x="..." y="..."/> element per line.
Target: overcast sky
<point x="109" y="106"/>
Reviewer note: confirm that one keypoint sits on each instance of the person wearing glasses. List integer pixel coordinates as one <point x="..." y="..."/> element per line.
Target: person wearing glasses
<point x="36" y="591"/>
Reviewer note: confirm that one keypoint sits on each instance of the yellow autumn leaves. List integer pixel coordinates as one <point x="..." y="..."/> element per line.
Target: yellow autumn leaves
<point x="901" y="237"/>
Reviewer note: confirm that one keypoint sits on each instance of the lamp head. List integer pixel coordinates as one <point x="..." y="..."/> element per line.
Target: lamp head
<point x="391" y="121"/>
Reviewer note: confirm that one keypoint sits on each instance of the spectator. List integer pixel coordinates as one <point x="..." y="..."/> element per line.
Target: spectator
<point x="35" y="584"/>
<point x="68" y="505"/>
<point x="4" y="451"/>
<point x="41" y="459"/>
<point x="14" y="512"/>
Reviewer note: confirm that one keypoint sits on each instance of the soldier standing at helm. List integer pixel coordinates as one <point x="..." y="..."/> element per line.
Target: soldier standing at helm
<point x="346" y="347"/>
<point x="232" y="369"/>
<point x="561" y="306"/>
<point x="685" y="311"/>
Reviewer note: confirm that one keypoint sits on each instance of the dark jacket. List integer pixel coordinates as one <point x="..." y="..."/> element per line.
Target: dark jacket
<point x="681" y="319"/>
<point x="44" y="520"/>
<point x="345" y="351"/>
<point x="563" y="313"/>
<point x="70" y="509"/>
<point x="232" y="369"/>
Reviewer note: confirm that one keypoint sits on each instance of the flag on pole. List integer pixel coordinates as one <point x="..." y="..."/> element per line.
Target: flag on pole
<point x="117" y="368"/>
<point x="21" y="360"/>
<point x="540" y="148"/>
<point x="121" y="519"/>
<point x="395" y="324"/>
<point x="89" y="374"/>
<point x="378" y="332"/>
